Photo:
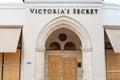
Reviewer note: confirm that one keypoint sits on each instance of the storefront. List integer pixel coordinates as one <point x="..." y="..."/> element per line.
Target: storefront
<point x="63" y="40"/>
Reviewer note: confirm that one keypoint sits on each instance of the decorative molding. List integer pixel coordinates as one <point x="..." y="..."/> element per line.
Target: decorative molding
<point x="42" y="49"/>
<point x="75" y="27"/>
<point x="86" y="49"/>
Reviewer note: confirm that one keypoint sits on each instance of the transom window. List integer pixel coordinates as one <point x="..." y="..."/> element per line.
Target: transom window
<point x="69" y="46"/>
<point x="62" y="43"/>
<point x="54" y="46"/>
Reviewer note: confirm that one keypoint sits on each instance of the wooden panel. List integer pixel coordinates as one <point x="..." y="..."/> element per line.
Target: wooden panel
<point x="118" y="61"/>
<point x="12" y="59"/>
<point x="113" y="65"/>
<point x="70" y="69"/>
<point x="11" y="73"/>
<point x="1" y="55"/>
<point x="111" y="76"/>
<point x="118" y="76"/>
<point x="11" y="66"/>
<point x="54" y="67"/>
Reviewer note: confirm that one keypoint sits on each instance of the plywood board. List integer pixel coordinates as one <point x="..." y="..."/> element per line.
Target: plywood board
<point x="11" y="66"/>
<point x="113" y="65"/>
<point x="70" y="69"/>
<point x="12" y="59"/>
<point x="11" y="73"/>
<point x="54" y="67"/>
<point x="118" y="76"/>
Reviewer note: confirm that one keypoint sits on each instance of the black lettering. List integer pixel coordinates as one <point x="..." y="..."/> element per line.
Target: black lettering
<point x="92" y="12"/>
<point x="87" y="11"/>
<point x="44" y="11"/>
<point x="40" y="11"/>
<point x="83" y="11"/>
<point x="54" y="11"/>
<point x="96" y="11"/>
<point x="62" y="12"/>
<point x="74" y="11"/>
<point x="78" y="11"/>
<point x="68" y="11"/>
<point x="36" y="11"/>
<point x="58" y="11"/>
<point x="32" y="10"/>
<point x="49" y="11"/>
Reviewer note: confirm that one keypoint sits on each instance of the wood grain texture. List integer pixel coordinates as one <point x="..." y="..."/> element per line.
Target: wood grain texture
<point x="70" y="69"/>
<point x="113" y="65"/>
<point x="54" y="67"/>
<point x="11" y="66"/>
<point x="1" y="56"/>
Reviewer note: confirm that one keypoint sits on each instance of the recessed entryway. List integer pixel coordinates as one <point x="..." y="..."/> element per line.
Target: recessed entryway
<point x="63" y="56"/>
<point x="67" y="38"/>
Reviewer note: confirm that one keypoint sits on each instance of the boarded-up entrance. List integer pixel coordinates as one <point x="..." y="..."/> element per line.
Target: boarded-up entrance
<point x="10" y="66"/>
<point x="59" y="67"/>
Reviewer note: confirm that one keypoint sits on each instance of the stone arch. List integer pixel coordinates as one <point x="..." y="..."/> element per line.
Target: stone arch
<point x="75" y="27"/>
<point x="79" y="30"/>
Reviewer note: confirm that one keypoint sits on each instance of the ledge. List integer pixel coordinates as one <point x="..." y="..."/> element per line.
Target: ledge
<point x="10" y="5"/>
<point x="108" y="5"/>
<point x="67" y="1"/>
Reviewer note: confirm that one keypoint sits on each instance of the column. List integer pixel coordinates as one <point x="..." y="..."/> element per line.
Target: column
<point x="87" y="63"/>
<point x="39" y="73"/>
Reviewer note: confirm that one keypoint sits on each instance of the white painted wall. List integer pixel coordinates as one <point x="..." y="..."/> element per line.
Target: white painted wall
<point x="92" y="23"/>
<point x="12" y="14"/>
<point x="111" y="15"/>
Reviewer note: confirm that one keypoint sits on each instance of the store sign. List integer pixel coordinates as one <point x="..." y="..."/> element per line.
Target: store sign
<point x="64" y="11"/>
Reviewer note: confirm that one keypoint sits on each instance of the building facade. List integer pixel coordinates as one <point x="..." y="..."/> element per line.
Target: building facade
<point x="59" y="40"/>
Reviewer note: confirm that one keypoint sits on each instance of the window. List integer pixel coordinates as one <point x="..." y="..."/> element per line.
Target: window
<point x="62" y="37"/>
<point x="54" y="46"/>
<point x="69" y="46"/>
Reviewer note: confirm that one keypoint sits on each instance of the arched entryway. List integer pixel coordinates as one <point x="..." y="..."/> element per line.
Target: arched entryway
<point x="45" y="42"/>
<point x="63" y="56"/>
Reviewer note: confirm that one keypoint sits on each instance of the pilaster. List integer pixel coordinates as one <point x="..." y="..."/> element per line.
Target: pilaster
<point x="87" y="63"/>
<point x="40" y="63"/>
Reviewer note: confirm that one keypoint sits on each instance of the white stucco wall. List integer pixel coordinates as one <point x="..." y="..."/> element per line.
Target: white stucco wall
<point x="12" y="14"/>
<point x="92" y="23"/>
<point x="111" y="14"/>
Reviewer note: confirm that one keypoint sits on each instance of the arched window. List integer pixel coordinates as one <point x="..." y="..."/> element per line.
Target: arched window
<point x="54" y="46"/>
<point x="62" y="37"/>
<point x="69" y="46"/>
